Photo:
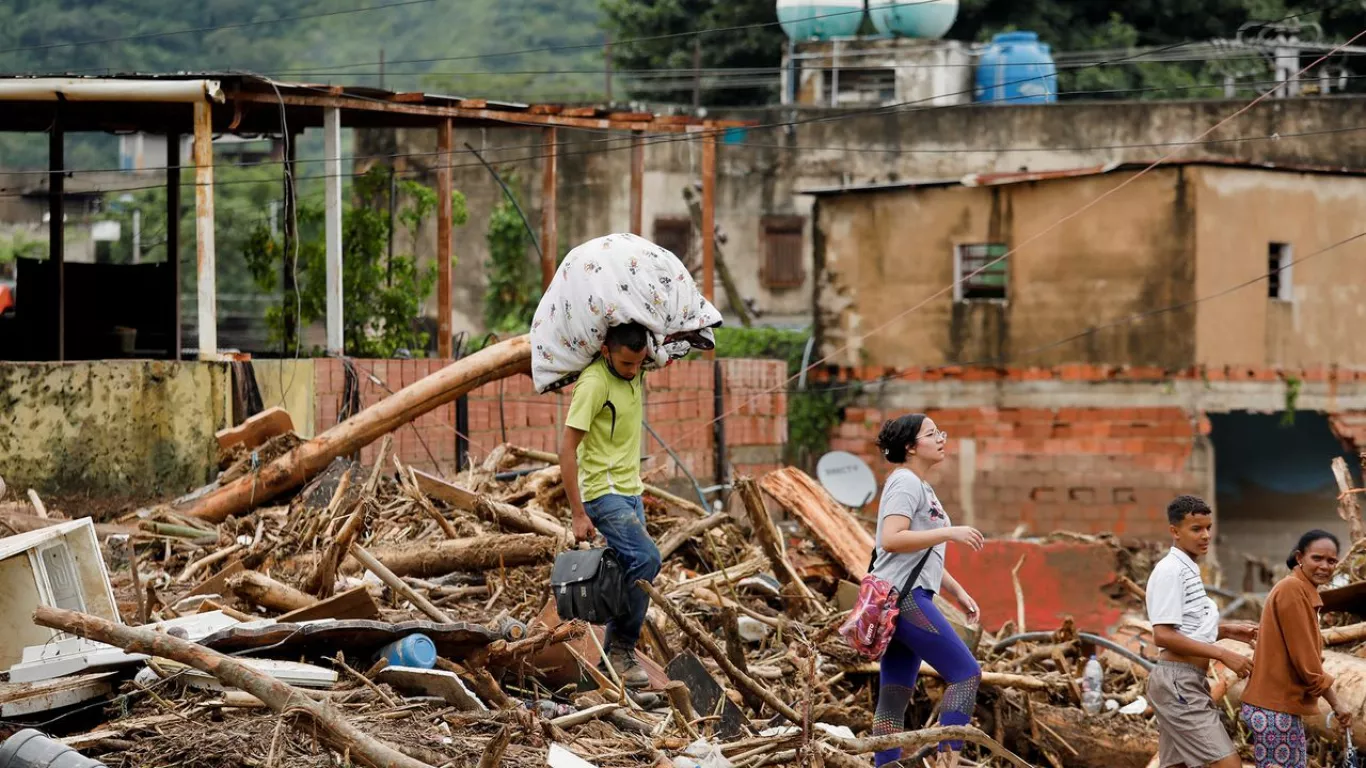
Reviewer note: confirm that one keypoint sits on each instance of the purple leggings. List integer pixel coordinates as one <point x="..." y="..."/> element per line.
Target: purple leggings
<point x="922" y="633"/>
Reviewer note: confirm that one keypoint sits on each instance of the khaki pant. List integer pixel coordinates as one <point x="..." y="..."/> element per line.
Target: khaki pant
<point x="1188" y="725"/>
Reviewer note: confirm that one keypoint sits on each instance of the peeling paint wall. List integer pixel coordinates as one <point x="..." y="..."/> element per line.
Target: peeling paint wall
<point x="892" y="253"/>
<point x="134" y="428"/>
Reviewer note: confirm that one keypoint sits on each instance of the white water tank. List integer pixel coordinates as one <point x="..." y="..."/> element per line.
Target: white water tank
<point x="820" y="19"/>
<point x="929" y="19"/>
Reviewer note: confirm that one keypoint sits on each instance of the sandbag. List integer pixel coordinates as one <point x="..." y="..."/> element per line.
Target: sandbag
<point x="608" y="281"/>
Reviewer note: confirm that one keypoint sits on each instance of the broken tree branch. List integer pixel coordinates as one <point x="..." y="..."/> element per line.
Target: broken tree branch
<point x="1349" y="509"/>
<point x="323" y="582"/>
<point x="772" y="544"/>
<point x="259" y="589"/>
<point x="651" y="490"/>
<point x="475" y="553"/>
<point x="682" y="534"/>
<point x="339" y="734"/>
<point x="704" y="640"/>
<point x="912" y="740"/>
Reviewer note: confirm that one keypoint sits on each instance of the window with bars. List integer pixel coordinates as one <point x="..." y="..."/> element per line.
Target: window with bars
<point x="1280" y="256"/>
<point x="783" y="253"/>
<point x="980" y="273"/>
<point x="675" y="234"/>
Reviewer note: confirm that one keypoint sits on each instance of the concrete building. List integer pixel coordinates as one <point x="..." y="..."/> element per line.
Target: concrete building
<point x="1184" y="330"/>
<point x="762" y="171"/>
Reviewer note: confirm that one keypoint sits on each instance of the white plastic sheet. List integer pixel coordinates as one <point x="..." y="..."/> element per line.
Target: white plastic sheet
<point x="608" y="281"/>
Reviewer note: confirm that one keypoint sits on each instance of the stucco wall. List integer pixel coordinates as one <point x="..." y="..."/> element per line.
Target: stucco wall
<point x="1240" y="212"/>
<point x="111" y="427"/>
<point x="892" y="254"/>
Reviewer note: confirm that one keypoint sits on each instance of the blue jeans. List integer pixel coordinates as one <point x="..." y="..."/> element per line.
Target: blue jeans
<point x="621" y="519"/>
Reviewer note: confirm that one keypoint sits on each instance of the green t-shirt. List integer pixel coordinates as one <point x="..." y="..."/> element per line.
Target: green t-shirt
<point x="610" y="411"/>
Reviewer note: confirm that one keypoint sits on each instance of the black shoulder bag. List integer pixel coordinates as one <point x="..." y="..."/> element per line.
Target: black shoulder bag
<point x="589" y="584"/>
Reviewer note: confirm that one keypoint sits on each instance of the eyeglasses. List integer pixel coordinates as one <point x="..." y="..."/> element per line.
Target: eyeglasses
<point x="937" y="434"/>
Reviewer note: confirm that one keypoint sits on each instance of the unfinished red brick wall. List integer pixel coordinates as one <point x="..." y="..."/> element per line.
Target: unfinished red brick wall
<point x="1090" y="470"/>
<point x="679" y="406"/>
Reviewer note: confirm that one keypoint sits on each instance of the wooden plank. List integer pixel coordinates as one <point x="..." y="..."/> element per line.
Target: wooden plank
<point x="635" y="117"/>
<point x="411" y="97"/>
<point x="441" y="490"/>
<point x="119" y="730"/>
<point x="833" y="526"/>
<point x="474" y="103"/>
<point x="581" y="112"/>
<point x="255" y="431"/>
<point x="28" y="698"/>
<point x="545" y="109"/>
<point x="218" y="584"/>
<point x="355" y="603"/>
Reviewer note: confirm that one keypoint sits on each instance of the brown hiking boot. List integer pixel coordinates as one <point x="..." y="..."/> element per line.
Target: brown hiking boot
<point x="624" y="661"/>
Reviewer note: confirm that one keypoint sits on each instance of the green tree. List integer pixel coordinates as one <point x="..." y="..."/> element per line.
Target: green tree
<point x="513" y="284"/>
<point x="383" y="296"/>
<point x="754" y="46"/>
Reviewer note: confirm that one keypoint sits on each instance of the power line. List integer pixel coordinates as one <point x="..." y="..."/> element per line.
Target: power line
<point x="214" y="28"/>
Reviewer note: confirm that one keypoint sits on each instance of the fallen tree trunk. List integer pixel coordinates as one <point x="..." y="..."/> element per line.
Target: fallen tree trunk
<point x="296" y="467"/>
<point x="476" y="553"/>
<point x="837" y="531"/>
<point x="1352" y="633"/>
<point x="495" y="511"/>
<point x="329" y="725"/>
<point x="259" y="589"/>
<point x="1349" y="675"/>
<point x="1082" y="741"/>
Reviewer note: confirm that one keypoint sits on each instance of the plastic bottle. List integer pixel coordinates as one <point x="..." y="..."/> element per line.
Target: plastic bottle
<point x="1092" y="697"/>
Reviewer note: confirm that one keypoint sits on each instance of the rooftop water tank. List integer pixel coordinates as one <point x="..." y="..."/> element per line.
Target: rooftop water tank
<point x="929" y="19"/>
<point x="1017" y="69"/>
<point x="820" y="19"/>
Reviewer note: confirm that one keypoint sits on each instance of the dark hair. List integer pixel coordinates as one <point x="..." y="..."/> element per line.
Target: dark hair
<point x="898" y="434"/>
<point x="1306" y="540"/>
<point x="1184" y="506"/>
<point x="628" y="335"/>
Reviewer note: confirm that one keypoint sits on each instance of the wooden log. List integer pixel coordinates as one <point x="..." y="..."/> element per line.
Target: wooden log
<point x="495" y="511"/>
<point x="832" y="525"/>
<point x="476" y="553"/>
<point x="398" y="585"/>
<point x="772" y="544"/>
<point x="255" y="431"/>
<point x="650" y="490"/>
<point x="1120" y="741"/>
<point x="326" y="722"/>
<point x="682" y="534"/>
<point x="259" y="589"/>
<point x="1352" y="633"/>
<point x="296" y="467"/>
<point x="355" y="603"/>
<point x="1349" y="674"/>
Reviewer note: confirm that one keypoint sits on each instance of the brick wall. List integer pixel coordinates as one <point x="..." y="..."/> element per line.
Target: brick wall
<point x="679" y="406"/>
<point x="1090" y="470"/>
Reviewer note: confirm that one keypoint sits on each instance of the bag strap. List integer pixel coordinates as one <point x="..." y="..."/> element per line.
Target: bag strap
<point x="915" y="572"/>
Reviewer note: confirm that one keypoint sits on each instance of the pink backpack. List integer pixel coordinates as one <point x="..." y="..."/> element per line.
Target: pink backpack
<point x="872" y="622"/>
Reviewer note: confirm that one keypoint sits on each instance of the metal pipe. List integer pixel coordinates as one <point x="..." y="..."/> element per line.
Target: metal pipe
<point x="91" y="89"/>
<point x="511" y="198"/>
<point x="1034" y="637"/>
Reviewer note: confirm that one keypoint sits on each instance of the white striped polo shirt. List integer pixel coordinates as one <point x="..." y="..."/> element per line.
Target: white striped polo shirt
<point x="1177" y="597"/>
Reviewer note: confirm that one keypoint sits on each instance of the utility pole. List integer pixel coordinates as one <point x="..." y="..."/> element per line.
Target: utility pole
<point x="381" y="69"/>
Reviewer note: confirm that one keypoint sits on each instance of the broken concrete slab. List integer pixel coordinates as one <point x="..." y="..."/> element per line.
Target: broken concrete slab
<point x="432" y="682"/>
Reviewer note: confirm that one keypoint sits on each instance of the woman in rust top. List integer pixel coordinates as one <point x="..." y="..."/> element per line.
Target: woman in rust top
<point x="1287" y="672"/>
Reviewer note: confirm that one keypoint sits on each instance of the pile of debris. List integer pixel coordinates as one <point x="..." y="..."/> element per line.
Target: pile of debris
<point x="382" y="616"/>
<point x="392" y="617"/>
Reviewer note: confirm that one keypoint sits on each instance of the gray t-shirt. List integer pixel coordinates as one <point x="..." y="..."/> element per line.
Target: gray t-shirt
<point x="906" y="495"/>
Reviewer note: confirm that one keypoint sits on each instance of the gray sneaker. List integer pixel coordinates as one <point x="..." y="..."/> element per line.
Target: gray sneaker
<point x="628" y="668"/>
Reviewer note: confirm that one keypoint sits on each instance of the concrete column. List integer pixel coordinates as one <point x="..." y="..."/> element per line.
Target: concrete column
<point x="203" y="230"/>
<point x="332" y="228"/>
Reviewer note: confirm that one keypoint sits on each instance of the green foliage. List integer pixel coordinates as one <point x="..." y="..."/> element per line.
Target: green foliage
<point x="1293" y="385"/>
<point x="19" y="244"/>
<point x="513" y="282"/>
<point x="383" y="296"/>
<point x="811" y="413"/>
<point x="751" y="47"/>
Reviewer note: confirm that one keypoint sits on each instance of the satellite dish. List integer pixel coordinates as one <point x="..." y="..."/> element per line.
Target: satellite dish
<point x="847" y="478"/>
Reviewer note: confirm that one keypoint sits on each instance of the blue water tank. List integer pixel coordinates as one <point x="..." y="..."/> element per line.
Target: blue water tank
<point x="820" y="19"/>
<point x="1017" y="69"/>
<point x="927" y="19"/>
